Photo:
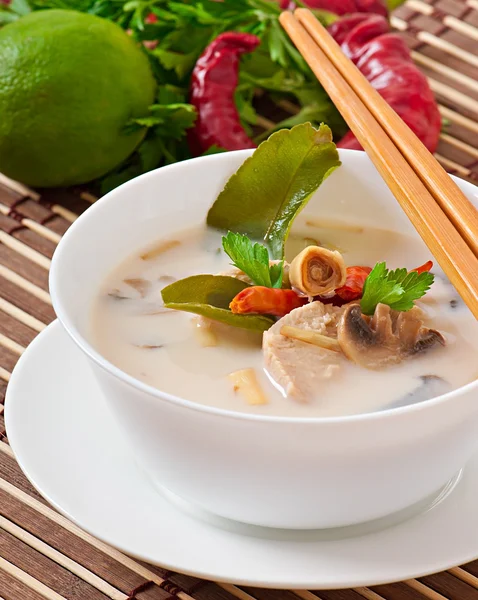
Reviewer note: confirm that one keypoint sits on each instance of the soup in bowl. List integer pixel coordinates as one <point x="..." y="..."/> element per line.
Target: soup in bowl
<point x="320" y="375"/>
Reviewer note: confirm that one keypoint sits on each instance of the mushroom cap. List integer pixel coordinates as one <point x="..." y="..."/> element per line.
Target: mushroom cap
<point x="385" y="339"/>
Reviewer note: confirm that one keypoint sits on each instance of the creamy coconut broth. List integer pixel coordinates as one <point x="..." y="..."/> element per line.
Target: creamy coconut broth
<point x="186" y="356"/>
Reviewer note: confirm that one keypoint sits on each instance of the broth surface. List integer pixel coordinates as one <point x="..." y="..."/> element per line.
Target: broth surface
<point x="163" y="348"/>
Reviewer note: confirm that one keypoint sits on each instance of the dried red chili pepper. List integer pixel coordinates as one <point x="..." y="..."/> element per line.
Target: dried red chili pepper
<point x="266" y="301"/>
<point x="385" y="61"/>
<point x="354" y="281"/>
<point x="424" y="268"/>
<point x="213" y="84"/>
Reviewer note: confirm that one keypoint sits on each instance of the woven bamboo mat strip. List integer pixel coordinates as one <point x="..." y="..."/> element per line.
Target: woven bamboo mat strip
<point x="45" y="556"/>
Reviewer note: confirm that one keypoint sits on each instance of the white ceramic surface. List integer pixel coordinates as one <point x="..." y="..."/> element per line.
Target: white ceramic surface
<point x="61" y="431"/>
<point x="269" y="471"/>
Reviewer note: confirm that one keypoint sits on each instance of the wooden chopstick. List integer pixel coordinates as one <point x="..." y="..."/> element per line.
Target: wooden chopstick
<point x="455" y="204"/>
<point x="452" y="252"/>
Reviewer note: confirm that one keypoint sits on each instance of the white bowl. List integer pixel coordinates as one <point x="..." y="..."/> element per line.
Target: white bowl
<point x="269" y="471"/>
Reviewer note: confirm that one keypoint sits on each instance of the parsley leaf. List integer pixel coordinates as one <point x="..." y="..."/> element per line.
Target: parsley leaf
<point x="253" y="259"/>
<point x="398" y="289"/>
<point x="415" y="285"/>
<point x="277" y="274"/>
<point x="169" y="120"/>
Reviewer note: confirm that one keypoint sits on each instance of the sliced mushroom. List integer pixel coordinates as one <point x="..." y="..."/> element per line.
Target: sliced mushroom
<point x="117" y="295"/>
<point x="141" y="285"/>
<point x="430" y="386"/>
<point x="385" y="339"/>
<point x="317" y="271"/>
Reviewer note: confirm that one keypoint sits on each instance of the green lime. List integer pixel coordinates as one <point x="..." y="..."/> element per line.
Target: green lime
<point x="69" y="83"/>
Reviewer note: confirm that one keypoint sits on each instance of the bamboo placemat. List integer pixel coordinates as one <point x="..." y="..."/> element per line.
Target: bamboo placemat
<point x="42" y="554"/>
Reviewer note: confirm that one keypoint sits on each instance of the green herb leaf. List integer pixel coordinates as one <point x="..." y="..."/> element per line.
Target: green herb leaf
<point x="277" y="274"/>
<point x="7" y="17"/>
<point x="253" y="259"/>
<point x="214" y="150"/>
<point x="326" y="17"/>
<point x="165" y="141"/>
<point x="170" y="120"/>
<point x="398" y="289"/>
<point x="273" y="185"/>
<point x="11" y="11"/>
<point x="21" y="7"/>
<point x="312" y="113"/>
<point x="181" y="63"/>
<point x="210" y="296"/>
<point x="393" y="4"/>
<point x="379" y="289"/>
<point x="415" y="286"/>
<point x="244" y="98"/>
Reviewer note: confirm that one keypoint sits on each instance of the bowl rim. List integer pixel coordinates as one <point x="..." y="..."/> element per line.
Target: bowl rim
<point x="87" y="348"/>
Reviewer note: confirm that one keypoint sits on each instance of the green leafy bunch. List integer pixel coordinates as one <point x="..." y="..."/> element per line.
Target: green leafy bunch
<point x="185" y="28"/>
<point x="174" y="40"/>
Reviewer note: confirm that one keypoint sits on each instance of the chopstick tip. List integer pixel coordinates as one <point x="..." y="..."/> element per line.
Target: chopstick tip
<point x="305" y="15"/>
<point x="286" y="17"/>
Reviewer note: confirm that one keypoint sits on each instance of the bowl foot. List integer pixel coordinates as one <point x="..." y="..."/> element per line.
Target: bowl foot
<point x="335" y="533"/>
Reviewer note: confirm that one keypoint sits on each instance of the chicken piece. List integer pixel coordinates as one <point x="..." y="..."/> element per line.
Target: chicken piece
<point x="385" y="339"/>
<point x="297" y="367"/>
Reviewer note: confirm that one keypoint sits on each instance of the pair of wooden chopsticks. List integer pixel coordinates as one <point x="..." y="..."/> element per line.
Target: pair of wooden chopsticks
<point x="444" y="218"/>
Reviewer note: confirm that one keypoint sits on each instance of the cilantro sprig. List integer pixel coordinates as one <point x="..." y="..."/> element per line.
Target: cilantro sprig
<point x="399" y="289"/>
<point x="253" y="259"/>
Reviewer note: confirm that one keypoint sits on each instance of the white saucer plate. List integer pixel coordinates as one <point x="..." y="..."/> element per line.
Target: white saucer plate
<point x="69" y="447"/>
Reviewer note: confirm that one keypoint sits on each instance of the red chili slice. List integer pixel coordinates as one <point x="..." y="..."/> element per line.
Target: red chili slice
<point x="424" y="268"/>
